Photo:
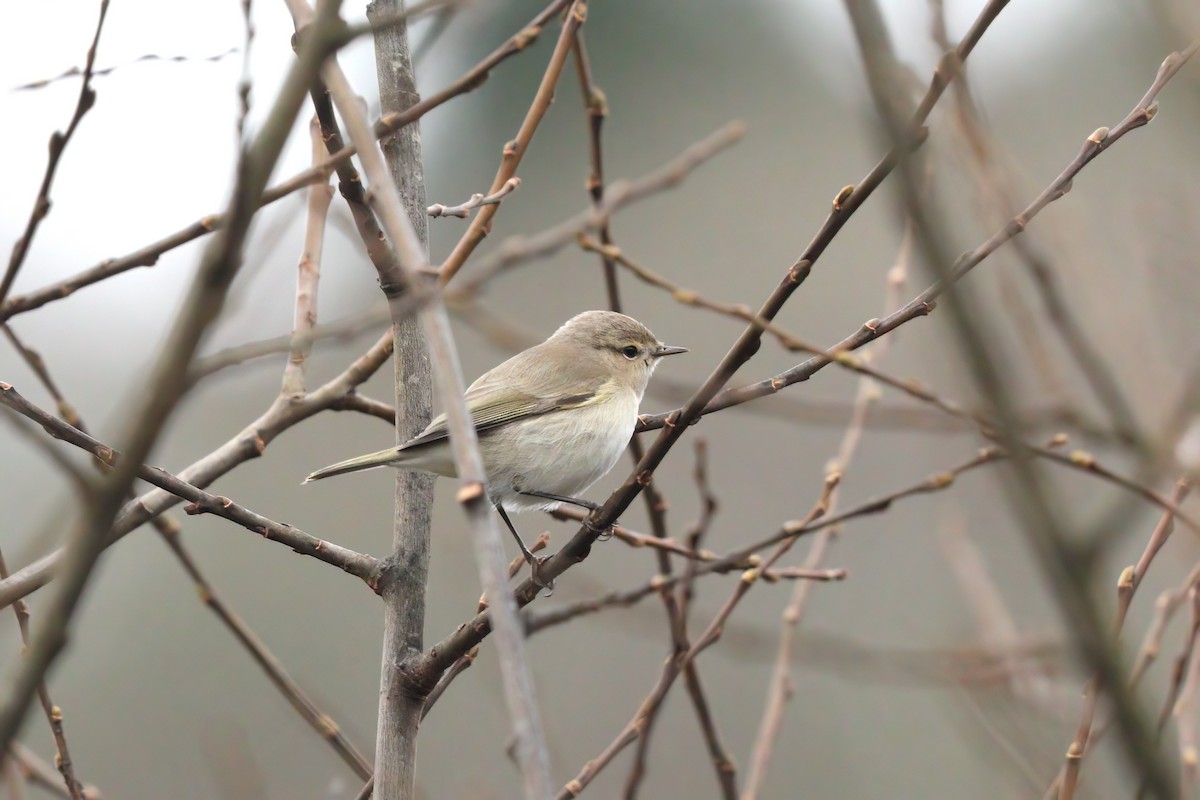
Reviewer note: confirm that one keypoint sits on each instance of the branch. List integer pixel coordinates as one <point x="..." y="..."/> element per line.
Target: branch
<point x="1068" y="565"/>
<point x="924" y="303"/>
<point x="53" y="713"/>
<point x="515" y="150"/>
<point x="362" y="566"/>
<point x="388" y="205"/>
<point x="250" y="443"/>
<point x="464" y="210"/>
<point x="389" y="125"/>
<point x="317" y="719"/>
<point x="218" y="266"/>
<point x="308" y="275"/>
<point x="58" y="144"/>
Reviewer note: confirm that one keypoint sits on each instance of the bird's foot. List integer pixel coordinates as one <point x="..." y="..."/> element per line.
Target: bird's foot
<point x="603" y="534"/>
<point x="535" y="567"/>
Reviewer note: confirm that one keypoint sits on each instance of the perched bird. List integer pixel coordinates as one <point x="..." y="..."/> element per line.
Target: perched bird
<point x="552" y="420"/>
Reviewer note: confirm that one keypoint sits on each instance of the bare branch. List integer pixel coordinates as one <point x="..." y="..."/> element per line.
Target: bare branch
<point x="464" y="210"/>
<point x="362" y="566"/>
<point x="53" y="713"/>
<point x="515" y="150"/>
<point x="387" y="126"/>
<point x="388" y="205"/>
<point x="249" y="443"/>
<point x="58" y="143"/>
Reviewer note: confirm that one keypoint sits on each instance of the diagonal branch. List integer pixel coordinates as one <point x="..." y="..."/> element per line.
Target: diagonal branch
<point x="362" y="566"/>
<point x="387" y="126"/>
<point x="515" y="150"/>
<point x="218" y="267"/>
<point x="58" y="144"/>
<point x="444" y="654"/>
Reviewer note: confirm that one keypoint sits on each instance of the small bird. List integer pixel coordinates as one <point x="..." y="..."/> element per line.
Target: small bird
<point x="552" y="420"/>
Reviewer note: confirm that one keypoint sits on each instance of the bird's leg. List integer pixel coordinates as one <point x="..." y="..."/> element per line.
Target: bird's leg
<point x="534" y="561"/>
<point x="603" y="534"/>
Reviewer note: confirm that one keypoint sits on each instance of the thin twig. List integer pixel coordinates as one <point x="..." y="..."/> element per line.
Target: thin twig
<point x="145" y="420"/>
<point x="1068" y="565"/>
<point x="308" y="275"/>
<point x="53" y="713"/>
<point x="388" y="125"/>
<point x="515" y="150"/>
<point x="72" y="72"/>
<point x="320" y="721"/>
<point x="58" y="143"/>
<point x="464" y="210"/>
<point x="38" y="773"/>
<point x="361" y="566"/>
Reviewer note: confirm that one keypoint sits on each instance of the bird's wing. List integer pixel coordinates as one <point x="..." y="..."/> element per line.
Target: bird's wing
<point x="491" y="407"/>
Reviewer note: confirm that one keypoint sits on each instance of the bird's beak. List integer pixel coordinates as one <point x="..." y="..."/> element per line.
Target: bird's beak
<point x="668" y="350"/>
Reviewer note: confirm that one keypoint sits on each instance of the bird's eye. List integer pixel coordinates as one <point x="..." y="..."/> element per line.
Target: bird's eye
<point x="629" y="351"/>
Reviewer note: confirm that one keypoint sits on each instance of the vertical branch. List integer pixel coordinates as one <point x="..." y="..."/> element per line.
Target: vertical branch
<point x="403" y="589"/>
<point x="308" y="273"/>
<point x="596" y="105"/>
<point x="1185" y="714"/>
<point x="404" y="689"/>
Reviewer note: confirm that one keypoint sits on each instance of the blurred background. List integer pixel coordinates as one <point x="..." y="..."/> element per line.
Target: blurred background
<point x="889" y="700"/>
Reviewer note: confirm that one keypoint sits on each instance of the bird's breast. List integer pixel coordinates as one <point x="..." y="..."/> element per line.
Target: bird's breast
<point x="561" y="453"/>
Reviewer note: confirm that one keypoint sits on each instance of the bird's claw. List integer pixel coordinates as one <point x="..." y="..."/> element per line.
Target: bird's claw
<point x="602" y="534"/>
<point x="534" y="570"/>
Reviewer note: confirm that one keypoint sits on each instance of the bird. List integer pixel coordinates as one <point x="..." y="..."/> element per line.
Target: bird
<point x="552" y="420"/>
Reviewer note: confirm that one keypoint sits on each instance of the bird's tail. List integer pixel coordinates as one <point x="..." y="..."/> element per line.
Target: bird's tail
<point x="357" y="464"/>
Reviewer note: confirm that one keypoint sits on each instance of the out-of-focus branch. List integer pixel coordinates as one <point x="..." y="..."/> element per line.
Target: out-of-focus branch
<point x="144" y="421"/>
<point x="388" y="125"/>
<point x="1067" y="564"/>
<point x="72" y="72"/>
<point x="58" y="144"/>
<point x="53" y="713"/>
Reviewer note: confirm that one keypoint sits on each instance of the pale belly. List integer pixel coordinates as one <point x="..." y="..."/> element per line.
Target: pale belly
<point x="561" y="453"/>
